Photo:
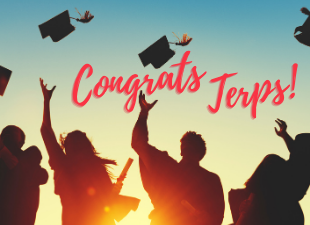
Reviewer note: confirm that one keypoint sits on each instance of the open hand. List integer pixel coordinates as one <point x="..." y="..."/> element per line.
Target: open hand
<point x="47" y="94"/>
<point x="145" y="107"/>
<point x="282" y="126"/>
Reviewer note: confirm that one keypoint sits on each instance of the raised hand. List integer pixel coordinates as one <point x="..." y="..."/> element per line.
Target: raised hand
<point x="47" y="94"/>
<point x="282" y="126"/>
<point x="145" y="107"/>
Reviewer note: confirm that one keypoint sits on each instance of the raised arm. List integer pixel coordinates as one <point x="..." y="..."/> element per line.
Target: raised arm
<point x="282" y="133"/>
<point x="47" y="94"/>
<point x="54" y="151"/>
<point x="139" y="140"/>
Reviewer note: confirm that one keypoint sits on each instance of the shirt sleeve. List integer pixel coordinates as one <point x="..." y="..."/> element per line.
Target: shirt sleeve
<point x="140" y="143"/>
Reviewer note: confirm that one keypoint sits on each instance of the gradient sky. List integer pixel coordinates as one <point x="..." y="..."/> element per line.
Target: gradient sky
<point x="254" y="39"/>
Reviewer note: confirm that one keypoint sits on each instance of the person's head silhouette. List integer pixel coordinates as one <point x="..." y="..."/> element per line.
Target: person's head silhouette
<point x="193" y="147"/>
<point x="77" y="145"/>
<point x="13" y="137"/>
<point x="33" y="155"/>
<point x="268" y="176"/>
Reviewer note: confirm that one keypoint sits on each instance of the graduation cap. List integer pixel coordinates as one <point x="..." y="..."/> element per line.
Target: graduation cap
<point x="304" y="35"/>
<point x="58" y="27"/>
<point x="157" y="54"/>
<point x="5" y="75"/>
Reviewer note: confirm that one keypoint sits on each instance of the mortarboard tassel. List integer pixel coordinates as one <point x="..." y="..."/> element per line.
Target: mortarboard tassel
<point x="84" y="19"/>
<point x="184" y="41"/>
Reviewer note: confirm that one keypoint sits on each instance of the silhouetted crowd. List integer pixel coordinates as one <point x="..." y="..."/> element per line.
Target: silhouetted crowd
<point x="182" y="193"/>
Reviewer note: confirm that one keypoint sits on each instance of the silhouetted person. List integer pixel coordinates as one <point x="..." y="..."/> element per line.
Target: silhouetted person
<point x="19" y="195"/>
<point x="7" y="162"/>
<point x="277" y="185"/>
<point x="12" y="138"/>
<point x="270" y="201"/>
<point x="169" y="183"/>
<point x="299" y="161"/>
<point x="34" y="177"/>
<point x="81" y="178"/>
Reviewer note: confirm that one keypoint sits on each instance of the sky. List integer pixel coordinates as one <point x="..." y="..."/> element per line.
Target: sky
<point x="253" y="39"/>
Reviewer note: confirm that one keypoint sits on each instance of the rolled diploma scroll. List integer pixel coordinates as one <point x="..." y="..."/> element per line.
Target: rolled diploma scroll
<point x="188" y="206"/>
<point x="126" y="168"/>
<point x="119" y="183"/>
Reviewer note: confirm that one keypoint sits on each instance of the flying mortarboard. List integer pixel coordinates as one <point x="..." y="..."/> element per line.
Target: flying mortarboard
<point x="58" y="27"/>
<point x="304" y="35"/>
<point x="5" y="75"/>
<point x="157" y="54"/>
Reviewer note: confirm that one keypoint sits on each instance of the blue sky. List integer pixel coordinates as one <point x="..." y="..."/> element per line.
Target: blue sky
<point x="254" y="39"/>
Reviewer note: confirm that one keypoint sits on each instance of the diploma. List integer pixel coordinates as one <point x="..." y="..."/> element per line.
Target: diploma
<point x="125" y="169"/>
<point x="119" y="183"/>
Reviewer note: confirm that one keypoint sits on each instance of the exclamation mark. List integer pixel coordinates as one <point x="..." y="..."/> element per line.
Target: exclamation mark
<point x="294" y="72"/>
